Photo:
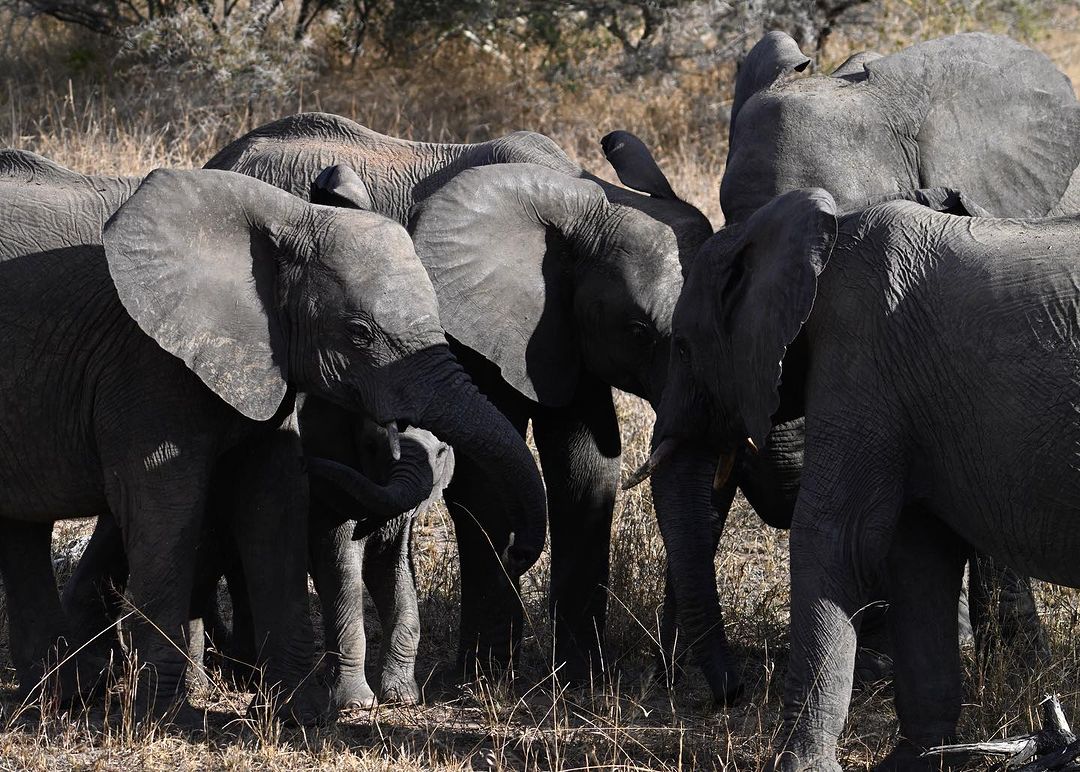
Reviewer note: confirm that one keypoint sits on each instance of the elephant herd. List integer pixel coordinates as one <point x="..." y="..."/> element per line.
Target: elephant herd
<point x="266" y="367"/>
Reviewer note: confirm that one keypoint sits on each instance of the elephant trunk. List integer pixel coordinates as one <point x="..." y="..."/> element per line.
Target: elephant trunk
<point x="460" y="415"/>
<point x="408" y="486"/>
<point x="682" y="495"/>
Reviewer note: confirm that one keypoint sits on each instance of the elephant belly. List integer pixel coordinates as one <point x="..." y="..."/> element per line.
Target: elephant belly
<point x="1028" y="517"/>
<point x="45" y="475"/>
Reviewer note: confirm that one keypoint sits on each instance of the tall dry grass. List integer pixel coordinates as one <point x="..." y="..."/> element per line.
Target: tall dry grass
<point x="61" y="96"/>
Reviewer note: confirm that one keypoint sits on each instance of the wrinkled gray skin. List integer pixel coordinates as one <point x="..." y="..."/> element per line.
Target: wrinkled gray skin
<point x="977" y="113"/>
<point x="141" y="351"/>
<point x="553" y="287"/>
<point x="926" y="431"/>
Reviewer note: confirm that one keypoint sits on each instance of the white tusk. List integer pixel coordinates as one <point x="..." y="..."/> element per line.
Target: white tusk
<point x="753" y="445"/>
<point x="659" y="456"/>
<point x="395" y="440"/>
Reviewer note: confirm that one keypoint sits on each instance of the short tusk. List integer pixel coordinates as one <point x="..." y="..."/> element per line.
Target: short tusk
<point x="395" y="440"/>
<point x="504" y="558"/>
<point x="659" y="456"/>
<point x="723" y="470"/>
<point x="753" y="445"/>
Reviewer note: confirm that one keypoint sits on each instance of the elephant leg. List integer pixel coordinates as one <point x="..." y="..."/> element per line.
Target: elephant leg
<point x="269" y="521"/>
<point x="492" y="617"/>
<point x="197" y="678"/>
<point x="851" y="497"/>
<point x="337" y="565"/>
<point x="1001" y="604"/>
<point x="93" y="595"/>
<point x="391" y="580"/>
<point x="160" y="514"/>
<point x="925" y="573"/>
<point x="579" y="451"/>
<point x="36" y="622"/>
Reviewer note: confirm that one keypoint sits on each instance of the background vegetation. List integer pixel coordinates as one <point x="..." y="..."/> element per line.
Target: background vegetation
<point x="123" y="86"/>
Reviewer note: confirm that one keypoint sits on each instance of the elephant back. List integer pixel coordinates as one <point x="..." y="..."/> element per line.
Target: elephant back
<point x="290" y="153"/>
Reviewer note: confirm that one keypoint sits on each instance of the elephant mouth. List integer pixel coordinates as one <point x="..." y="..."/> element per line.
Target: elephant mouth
<point x="667" y="447"/>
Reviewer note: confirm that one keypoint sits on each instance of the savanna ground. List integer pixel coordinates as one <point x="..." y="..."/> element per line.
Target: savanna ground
<point x="64" y="96"/>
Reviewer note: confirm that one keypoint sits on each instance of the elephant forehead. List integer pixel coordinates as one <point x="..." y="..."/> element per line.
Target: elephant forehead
<point x="381" y="274"/>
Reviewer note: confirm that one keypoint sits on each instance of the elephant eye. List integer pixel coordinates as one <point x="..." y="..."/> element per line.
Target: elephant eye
<point x="361" y="331"/>
<point x="640" y="333"/>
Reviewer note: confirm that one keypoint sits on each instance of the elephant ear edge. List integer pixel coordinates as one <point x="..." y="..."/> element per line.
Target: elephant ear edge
<point x="634" y="164"/>
<point x="1015" y="161"/>
<point x="785" y="247"/>
<point x="200" y="280"/>
<point x="340" y="185"/>
<point x="493" y="240"/>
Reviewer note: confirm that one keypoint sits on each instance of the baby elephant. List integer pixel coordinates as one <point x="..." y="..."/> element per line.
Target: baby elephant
<point x="349" y="549"/>
<point x="938" y="360"/>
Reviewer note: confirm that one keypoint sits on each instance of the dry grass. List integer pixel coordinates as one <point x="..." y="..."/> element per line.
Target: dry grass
<point x="73" y="112"/>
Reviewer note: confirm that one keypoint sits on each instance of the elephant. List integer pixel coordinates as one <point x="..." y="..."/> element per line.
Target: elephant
<point x="141" y="352"/>
<point x="936" y="358"/>
<point x="347" y="553"/>
<point x="553" y="286"/>
<point x="931" y="116"/>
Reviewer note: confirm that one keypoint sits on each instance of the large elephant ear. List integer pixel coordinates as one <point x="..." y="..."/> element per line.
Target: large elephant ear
<point x="775" y="56"/>
<point x="193" y="255"/>
<point x="340" y="185"/>
<point x="635" y="165"/>
<point x="768" y="293"/>
<point x="994" y="119"/>
<point x="493" y="241"/>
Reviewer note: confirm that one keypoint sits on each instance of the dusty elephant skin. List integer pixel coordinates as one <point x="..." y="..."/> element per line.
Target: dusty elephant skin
<point x="141" y="351"/>
<point x="553" y="286"/>
<point x="877" y="127"/>
<point x="940" y="363"/>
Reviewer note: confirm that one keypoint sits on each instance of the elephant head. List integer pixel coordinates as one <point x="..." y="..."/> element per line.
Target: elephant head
<point x="745" y="301"/>
<point x="550" y="276"/>
<point x="258" y="291"/>
<point x="975" y="112"/>
<point x="746" y="298"/>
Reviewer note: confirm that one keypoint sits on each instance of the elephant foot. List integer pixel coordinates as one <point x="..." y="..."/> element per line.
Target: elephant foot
<point x="803" y="761"/>
<point x="352" y="693"/>
<point x="872" y="667"/>
<point x="399" y="688"/>
<point x="907" y="757"/>
<point x="726" y="685"/>
<point x="309" y="705"/>
<point x="580" y="667"/>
